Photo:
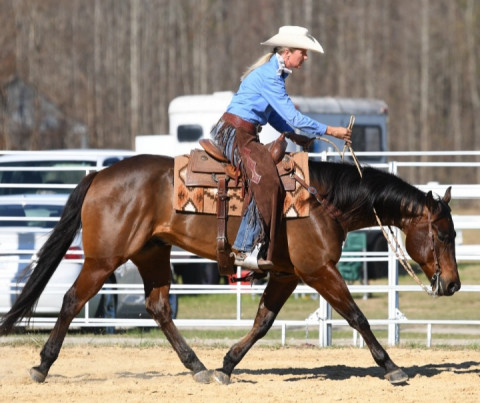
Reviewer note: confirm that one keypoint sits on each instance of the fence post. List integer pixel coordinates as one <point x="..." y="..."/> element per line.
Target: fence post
<point x="325" y="328"/>
<point x="239" y="294"/>
<point x="393" y="328"/>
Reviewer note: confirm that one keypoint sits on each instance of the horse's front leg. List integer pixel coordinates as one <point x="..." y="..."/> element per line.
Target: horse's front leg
<point x="279" y="288"/>
<point x="331" y="285"/>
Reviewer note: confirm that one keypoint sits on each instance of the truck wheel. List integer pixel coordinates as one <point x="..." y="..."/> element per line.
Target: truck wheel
<point x="107" y="308"/>
<point x="378" y="269"/>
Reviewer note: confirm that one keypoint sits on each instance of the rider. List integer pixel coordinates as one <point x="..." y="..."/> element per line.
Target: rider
<point x="262" y="98"/>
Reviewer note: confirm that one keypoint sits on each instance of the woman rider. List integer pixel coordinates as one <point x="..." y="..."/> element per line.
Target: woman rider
<point x="261" y="99"/>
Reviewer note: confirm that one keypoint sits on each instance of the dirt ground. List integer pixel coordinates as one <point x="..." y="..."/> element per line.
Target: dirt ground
<point x="119" y="373"/>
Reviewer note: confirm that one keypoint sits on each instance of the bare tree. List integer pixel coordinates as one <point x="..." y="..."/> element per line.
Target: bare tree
<point x="424" y="79"/>
<point x="472" y="70"/>
<point x="106" y="70"/>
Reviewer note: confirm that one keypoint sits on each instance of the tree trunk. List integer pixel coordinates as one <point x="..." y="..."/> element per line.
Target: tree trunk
<point x="424" y="83"/>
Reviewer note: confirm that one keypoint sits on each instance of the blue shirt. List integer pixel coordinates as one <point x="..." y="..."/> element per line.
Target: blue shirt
<point x="262" y="98"/>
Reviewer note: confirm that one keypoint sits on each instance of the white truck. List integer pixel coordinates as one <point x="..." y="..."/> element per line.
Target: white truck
<point x="191" y="117"/>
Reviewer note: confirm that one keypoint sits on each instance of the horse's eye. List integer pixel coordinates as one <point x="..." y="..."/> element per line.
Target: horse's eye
<point x="442" y="237"/>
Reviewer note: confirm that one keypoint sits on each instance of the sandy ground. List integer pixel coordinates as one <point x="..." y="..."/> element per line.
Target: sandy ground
<point x="118" y="373"/>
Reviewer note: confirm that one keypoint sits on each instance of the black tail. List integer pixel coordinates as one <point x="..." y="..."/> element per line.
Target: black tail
<point x="49" y="257"/>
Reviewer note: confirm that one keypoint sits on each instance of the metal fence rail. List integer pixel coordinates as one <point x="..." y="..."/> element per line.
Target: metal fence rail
<point x="321" y="318"/>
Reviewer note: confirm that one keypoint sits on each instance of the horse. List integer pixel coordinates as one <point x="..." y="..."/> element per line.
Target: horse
<point x="125" y="212"/>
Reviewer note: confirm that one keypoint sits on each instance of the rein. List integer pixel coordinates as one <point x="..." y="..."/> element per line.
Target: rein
<point x="435" y="280"/>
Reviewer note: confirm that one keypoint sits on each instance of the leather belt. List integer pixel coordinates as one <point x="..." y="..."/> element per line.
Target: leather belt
<point x="238" y="122"/>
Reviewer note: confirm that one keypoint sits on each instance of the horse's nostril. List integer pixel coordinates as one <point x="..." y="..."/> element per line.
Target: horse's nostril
<point x="453" y="287"/>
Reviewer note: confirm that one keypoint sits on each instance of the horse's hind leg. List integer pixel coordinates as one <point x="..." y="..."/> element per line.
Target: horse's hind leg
<point x="154" y="266"/>
<point x="276" y="293"/>
<point x="330" y="284"/>
<point x="91" y="278"/>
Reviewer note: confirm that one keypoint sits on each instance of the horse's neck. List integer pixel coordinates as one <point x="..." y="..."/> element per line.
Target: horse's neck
<point x="405" y="220"/>
<point x="365" y="221"/>
<point x="402" y="219"/>
<point x="355" y="198"/>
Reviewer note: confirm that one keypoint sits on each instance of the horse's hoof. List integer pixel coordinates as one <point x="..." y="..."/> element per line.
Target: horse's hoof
<point x="36" y="375"/>
<point x="396" y="376"/>
<point x="205" y="376"/>
<point x="221" y="378"/>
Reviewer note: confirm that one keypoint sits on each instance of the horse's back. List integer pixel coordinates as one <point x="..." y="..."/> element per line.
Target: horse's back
<point x="125" y="202"/>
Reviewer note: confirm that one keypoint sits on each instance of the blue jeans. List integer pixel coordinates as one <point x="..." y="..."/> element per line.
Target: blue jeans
<point x="251" y="226"/>
<point x="249" y="230"/>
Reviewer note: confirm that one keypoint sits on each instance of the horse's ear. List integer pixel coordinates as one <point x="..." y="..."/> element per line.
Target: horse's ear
<point x="430" y="202"/>
<point x="448" y="195"/>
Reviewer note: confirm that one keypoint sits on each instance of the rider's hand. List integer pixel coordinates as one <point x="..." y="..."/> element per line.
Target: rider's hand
<point x="339" y="132"/>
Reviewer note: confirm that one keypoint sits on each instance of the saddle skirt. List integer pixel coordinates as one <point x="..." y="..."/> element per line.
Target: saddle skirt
<point x="196" y="187"/>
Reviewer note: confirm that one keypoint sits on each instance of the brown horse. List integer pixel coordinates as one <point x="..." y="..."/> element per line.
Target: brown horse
<point x="126" y="213"/>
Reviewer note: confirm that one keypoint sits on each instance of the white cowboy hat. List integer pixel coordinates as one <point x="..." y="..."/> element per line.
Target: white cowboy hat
<point x="292" y="36"/>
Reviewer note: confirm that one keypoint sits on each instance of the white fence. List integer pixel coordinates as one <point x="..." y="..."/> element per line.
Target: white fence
<point x="321" y="317"/>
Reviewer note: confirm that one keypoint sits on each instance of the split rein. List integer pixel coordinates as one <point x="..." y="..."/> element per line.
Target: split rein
<point x="397" y="248"/>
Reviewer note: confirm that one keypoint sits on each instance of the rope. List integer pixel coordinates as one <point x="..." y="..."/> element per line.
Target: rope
<point x="397" y="247"/>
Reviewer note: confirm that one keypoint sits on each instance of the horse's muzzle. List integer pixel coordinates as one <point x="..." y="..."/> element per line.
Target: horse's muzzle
<point x="447" y="289"/>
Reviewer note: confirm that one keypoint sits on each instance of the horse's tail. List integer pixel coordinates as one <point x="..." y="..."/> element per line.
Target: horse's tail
<point x="49" y="257"/>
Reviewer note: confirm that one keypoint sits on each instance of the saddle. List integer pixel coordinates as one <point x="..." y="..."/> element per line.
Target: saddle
<point x="206" y="178"/>
<point x="207" y="166"/>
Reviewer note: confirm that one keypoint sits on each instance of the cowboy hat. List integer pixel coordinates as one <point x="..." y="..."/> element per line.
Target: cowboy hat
<point x="292" y="36"/>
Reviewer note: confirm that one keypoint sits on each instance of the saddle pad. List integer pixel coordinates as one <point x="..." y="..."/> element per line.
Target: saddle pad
<point x="203" y="199"/>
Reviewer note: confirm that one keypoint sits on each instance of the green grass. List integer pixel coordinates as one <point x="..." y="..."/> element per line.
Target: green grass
<point x="414" y="305"/>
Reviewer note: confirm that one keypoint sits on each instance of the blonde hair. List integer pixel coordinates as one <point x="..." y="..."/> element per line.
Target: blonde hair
<point x="262" y="60"/>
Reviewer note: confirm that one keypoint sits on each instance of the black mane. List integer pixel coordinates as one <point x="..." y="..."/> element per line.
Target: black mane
<point x="341" y="185"/>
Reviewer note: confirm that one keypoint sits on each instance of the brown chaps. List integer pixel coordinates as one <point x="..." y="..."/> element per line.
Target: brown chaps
<point x="263" y="184"/>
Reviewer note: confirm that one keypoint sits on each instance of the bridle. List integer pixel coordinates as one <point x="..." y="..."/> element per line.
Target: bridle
<point x="396" y="247"/>
<point x="435" y="280"/>
<point x="401" y="256"/>
<point x="399" y="252"/>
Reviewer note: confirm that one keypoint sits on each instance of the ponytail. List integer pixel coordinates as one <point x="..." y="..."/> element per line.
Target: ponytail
<point x="262" y="60"/>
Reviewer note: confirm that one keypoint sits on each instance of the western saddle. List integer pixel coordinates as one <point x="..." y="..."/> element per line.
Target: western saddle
<point x="225" y="175"/>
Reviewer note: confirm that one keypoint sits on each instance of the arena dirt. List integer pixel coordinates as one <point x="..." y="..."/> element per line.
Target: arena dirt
<point x="97" y="373"/>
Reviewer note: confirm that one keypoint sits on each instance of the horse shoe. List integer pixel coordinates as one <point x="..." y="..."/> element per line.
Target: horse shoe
<point x="396" y="376"/>
<point x="221" y="377"/>
<point x="205" y="376"/>
<point x="37" y="375"/>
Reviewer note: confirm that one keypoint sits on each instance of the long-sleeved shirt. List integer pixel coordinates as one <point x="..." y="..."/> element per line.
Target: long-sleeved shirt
<point x="262" y="98"/>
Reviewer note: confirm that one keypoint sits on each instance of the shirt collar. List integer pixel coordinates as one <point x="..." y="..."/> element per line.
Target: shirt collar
<point x="281" y="66"/>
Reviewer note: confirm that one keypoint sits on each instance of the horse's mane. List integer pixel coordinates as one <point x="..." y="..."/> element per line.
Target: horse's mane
<point x="341" y="185"/>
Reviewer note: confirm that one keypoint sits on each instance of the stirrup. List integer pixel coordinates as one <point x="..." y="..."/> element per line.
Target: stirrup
<point x="251" y="261"/>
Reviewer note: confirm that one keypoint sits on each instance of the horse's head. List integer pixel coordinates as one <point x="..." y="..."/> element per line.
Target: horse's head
<point x="430" y="242"/>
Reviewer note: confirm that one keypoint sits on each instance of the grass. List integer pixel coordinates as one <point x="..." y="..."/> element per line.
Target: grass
<point x="414" y="305"/>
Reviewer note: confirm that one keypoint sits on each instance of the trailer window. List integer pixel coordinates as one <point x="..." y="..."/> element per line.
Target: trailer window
<point x="189" y="133"/>
<point x="367" y="138"/>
